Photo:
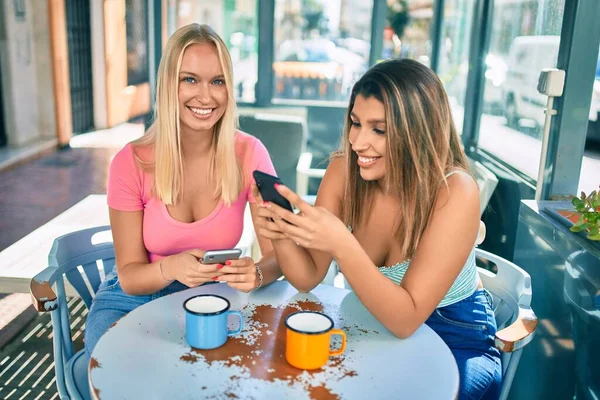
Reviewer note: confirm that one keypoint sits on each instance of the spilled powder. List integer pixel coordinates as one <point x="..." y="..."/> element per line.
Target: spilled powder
<point x="260" y="350"/>
<point x="94" y="363"/>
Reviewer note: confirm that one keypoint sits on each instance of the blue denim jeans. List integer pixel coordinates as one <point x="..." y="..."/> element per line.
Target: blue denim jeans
<point x="468" y="328"/>
<point x="112" y="303"/>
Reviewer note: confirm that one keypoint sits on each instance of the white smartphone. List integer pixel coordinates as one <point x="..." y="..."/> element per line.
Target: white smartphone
<point x="221" y="256"/>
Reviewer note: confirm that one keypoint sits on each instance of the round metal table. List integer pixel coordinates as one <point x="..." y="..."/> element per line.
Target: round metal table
<point x="145" y="355"/>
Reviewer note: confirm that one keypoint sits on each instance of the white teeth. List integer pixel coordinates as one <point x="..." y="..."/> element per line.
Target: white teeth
<point x="366" y="160"/>
<point x="201" y="111"/>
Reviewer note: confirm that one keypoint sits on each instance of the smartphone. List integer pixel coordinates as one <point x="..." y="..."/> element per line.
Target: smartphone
<point x="266" y="187"/>
<point x="221" y="256"/>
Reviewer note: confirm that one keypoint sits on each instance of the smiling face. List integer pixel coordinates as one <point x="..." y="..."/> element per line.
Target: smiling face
<point x="367" y="136"/>
<point x="202" y="91"/>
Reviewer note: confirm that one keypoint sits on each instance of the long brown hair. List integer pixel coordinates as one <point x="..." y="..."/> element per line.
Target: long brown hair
<point x="422" y="146"/>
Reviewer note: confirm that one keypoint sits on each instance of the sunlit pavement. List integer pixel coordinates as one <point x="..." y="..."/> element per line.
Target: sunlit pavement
<point x="33" y="193"/>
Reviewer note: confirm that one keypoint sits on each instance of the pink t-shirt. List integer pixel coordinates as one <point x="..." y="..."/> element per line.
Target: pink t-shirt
<point x="129" y="189"/>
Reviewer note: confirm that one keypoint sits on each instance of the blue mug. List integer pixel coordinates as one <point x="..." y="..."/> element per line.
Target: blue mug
<point x="206" y="321"/>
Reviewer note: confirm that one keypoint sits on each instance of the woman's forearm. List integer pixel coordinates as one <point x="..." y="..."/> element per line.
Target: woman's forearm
<point x="145" y="278"/>
<point x="297" y="265"/>
<point x="390" y="303"/>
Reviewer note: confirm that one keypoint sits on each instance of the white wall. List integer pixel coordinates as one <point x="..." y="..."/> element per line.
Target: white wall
<point x="26" y="67"/>
<point x="98" y="64"/>
<point x="42" y="58"/>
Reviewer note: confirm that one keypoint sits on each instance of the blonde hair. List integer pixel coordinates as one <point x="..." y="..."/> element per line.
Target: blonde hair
<point x="422" y="146"/>
<point x="165" y="132"/>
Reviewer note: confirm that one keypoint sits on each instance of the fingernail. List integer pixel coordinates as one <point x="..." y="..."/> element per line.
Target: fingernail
<point x="277" y="185"/>
<point x="214" y="278"/>
<point x="219" y="266"/>
<point x="227" y="262"/>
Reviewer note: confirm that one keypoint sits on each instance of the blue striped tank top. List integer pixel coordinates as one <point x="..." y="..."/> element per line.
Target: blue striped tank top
<point x="465" y="284"/>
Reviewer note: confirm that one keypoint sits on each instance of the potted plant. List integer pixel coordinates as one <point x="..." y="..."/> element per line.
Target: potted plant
<point x="586" y="216"/>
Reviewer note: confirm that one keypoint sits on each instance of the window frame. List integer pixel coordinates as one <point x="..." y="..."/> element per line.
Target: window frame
<point x="565" y="154"/>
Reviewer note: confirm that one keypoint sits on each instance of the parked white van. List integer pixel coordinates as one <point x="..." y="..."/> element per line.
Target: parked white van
<point x="524" y="105"/>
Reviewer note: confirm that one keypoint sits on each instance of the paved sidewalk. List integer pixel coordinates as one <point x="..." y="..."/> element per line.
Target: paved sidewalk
<point x="31" y="194"/>
<point x="15" y="312"/>
<point x="34" y="193"/>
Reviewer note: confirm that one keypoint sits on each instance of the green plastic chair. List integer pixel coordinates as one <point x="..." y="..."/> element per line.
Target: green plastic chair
<point x="79" y="257"/>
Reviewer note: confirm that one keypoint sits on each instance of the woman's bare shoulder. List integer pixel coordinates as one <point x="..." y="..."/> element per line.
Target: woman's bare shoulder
<point x="461" y="192"/>
<point x="331" y="190"/>
<point x="337" y="166"/>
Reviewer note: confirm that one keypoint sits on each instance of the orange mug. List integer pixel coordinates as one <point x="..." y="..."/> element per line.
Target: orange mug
<point x="308" y="339"/>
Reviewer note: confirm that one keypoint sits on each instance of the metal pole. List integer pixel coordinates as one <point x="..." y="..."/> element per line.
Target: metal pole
<point x="266" y="52"/>
<point x="436" y="33"/>
<point x="480" y="40"/>
<point x="154" y="49"/>
<point x="377" y="27"/>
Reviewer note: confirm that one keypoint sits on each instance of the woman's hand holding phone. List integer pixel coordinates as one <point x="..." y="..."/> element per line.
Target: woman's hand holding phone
<point x="265" y="225"/>
<point x="313" y="228"/>
<point x="187" y="268"/>
<point x="240" y="274"/>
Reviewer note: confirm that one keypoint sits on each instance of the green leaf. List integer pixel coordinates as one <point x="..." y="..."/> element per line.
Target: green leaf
<point x="594" y="237"/>
<point x="578" y="228"/>
<point x="588" y="209"/>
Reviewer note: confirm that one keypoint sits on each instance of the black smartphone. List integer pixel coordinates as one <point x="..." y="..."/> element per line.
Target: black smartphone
<point x="221" y="256"/>
<point x="266" y="187"/>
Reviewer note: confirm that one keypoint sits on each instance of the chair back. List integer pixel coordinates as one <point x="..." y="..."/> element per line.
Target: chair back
<point x="80" y="257"/>
<point x="511" y="290"/>
<point x="487" y="182"/>
<point x="284" y="136"/>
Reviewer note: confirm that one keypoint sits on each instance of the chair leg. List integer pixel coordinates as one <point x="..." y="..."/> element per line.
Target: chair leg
<point x="59" y="365"/>
<point x="509" y="374"/>
<point x="64" y="317"/>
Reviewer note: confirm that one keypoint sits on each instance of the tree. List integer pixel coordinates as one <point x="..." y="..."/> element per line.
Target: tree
<point x="397" y="16"/>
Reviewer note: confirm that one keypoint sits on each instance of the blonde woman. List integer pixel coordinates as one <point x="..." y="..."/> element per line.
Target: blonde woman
<point x="182" y="188"/>
<point x="401" y="183"/>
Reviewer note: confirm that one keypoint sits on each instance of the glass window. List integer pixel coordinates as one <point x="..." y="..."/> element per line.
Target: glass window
<point x="588" y="179"/>
<point x="454" y="54"/>
<point x="321" y="48"/>
<point x="525" y="39"/>
<point x="136" y="15"/>
<point x="407" y="31"/>
<point x="236" y="22"/>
